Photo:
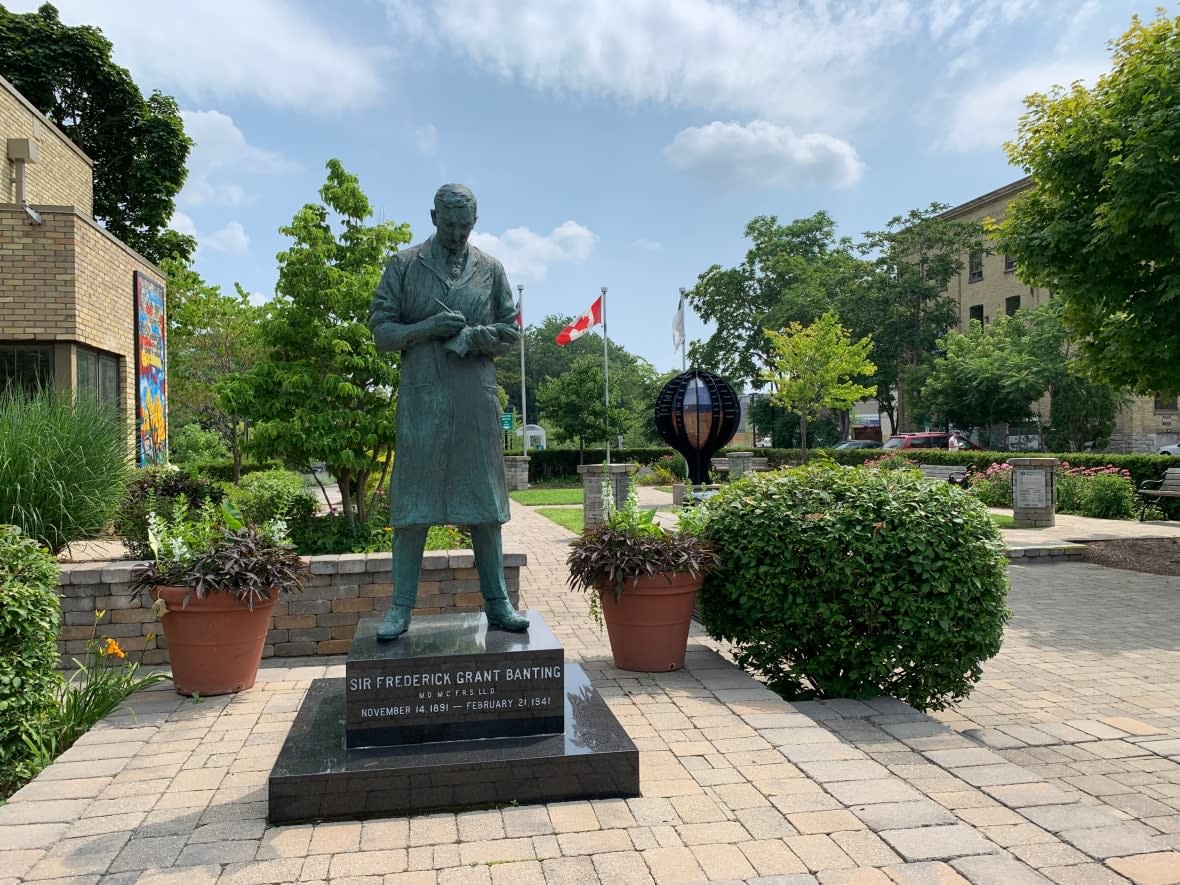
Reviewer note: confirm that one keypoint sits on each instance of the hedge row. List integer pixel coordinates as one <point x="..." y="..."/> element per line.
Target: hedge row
<point x="563" y="463"/>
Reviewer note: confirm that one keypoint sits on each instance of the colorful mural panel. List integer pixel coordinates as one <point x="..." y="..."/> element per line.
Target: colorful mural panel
<point x="151" y="379"/>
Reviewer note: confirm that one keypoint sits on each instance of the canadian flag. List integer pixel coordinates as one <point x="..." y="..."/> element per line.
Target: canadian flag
<point x="582" y="324"/>
<point x="519" y="319"/>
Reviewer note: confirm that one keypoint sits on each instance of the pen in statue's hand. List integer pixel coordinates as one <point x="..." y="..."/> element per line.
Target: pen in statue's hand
<point x="447" y="322"/>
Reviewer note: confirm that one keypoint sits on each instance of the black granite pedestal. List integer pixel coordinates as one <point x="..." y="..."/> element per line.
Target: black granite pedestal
<point x="559" y="740"/>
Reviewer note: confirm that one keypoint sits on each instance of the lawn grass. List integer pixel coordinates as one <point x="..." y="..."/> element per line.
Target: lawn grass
<point x="567" y="517"/>
<point x="1003" y="520"/>
<point x="534" y="497"/>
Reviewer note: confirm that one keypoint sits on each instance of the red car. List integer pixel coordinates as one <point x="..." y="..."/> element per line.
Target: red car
<point x="931" y="440"/>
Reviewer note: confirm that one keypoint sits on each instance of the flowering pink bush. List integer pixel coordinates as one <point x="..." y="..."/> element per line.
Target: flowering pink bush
<point x="992" y="486"/>
<point x="1104" y="492"/>
<point x="894" y="460"/>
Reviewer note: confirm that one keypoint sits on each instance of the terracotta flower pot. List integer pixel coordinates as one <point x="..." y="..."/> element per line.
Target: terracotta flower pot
<point x="215" y="643"/>
<point x="648" y="625"/>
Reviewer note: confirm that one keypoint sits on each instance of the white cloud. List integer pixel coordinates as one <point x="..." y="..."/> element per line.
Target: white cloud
<point x="797" y="61"/>
<point x="526" y="255"/>
<point x="1071" y="37"/>
<point x="268" y="50"/>
<point x="221" y="153"/>
<point x="426" y="139"/>
<point x="760" y="155"/>
<point x="985" y="115"/>
<point x="231" y="239"/>
<point x="648" y="246"/>
<point x="182" y="224"/>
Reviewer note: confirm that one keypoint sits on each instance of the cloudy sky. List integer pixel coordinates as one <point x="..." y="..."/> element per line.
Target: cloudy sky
<point x="618" y="143"/>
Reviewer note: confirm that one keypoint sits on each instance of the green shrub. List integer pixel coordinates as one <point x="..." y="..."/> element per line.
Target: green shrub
<point x="63" y="465"/>
<point x="192" y="444"/>
<point x="992" y="486"/>
<point x="30" y="620"/>
<point x="854" y="583"/>
<point x="547" y="464"/>
<point x="1108" y="496"/>
<point x="273" y="494"/>
<point x="331" y="533"/>
<point x="223" y="471"/>
<point x="158" y="489"/>
<point x="101" y="682"/>
<point x="1071" y="491"/>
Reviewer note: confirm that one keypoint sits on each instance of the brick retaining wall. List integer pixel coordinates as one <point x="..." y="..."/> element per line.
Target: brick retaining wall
<point x="318" y="621"/>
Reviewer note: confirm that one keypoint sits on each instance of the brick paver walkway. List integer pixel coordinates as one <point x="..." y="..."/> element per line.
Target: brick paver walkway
<point x="1061" y="768"/>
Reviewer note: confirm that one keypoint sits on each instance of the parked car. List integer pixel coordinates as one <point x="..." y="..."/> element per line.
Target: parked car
<point x="930" y="440"/>
<point x="857" y="444"/>
<point x="1173" y="450"/>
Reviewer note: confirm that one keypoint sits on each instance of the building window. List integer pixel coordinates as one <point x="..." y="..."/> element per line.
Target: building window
<point x="975" y="313"/>
<point x="1009" y="264"/>
<point x="975" y="267"/>
<point x="1011" y="304"/>
<point x="1165" y="403"/>
<point x="29" y="366"/>
<point x="98" y="374"/>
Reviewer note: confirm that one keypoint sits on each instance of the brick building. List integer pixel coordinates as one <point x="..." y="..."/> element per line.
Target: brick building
<point x="68" y="289"/>
<point x="989" y="287"/>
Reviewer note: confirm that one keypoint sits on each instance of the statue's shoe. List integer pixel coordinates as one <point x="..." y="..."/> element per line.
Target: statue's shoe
<point x="502" y="616"/>
<point x="397" y="621"/>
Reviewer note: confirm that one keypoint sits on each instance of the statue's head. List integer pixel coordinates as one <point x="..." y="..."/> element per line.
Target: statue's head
<point x="454" y="215"/>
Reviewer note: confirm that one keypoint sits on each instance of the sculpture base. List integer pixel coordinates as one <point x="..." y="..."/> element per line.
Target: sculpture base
<point x="317" y="778"/>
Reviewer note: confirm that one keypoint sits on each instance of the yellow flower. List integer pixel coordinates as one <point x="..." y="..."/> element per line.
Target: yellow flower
<point x="387" y="529"/>
<point x="113" y="649"/>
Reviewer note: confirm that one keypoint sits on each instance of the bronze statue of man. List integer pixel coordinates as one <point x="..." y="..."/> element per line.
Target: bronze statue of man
<point x="447" y="307"/>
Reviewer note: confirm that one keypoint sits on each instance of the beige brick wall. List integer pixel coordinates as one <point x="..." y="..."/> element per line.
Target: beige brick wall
<point x="62" y="175"/>
<point x="68" y="280"/>
<point x="37" y="277"/>
<point x="998" y="283"/>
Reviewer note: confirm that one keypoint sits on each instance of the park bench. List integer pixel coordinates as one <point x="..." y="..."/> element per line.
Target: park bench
<point x="1153" y="491"/>
<point x="722" y="464"/>
<point x="956" y="476"/>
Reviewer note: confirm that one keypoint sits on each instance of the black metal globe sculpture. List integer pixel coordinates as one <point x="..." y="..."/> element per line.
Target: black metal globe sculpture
<point x="697" y="413"/>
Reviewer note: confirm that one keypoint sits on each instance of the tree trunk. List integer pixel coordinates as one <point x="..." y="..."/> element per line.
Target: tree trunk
<point x="237" y="453"/>
<point x="385" y="470"/>
<point x="803" y="436"/>
<point x="344" y="481"/>
<point x="362" y="489"/>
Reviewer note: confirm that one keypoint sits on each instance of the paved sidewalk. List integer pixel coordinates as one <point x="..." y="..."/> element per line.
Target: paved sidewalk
<point x="1061" y="768"/>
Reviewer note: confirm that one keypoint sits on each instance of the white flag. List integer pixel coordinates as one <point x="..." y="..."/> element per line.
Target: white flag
<point x="678" y="326"/>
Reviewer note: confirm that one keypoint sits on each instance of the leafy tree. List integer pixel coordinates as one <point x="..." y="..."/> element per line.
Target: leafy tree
<point x="1100" y="226"/>
<point x="138" y="145"/>
<point x="212" y="340"/>
<point x="891" y="286"/>
<point x="574" y="405"/>
<point x="791" y="273"/>
<point x="989" y="377"/>
<point x="322" y="392"/>
<point x="993" y="375"/>
<point x="903" y="302"/>
<point x="813" y="368"/>
<point x="546" y="359"/>
<point x="1082" y="412"/>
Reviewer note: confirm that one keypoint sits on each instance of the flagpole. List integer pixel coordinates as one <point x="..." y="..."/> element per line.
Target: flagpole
<point x="524" y="418"/>
<point x="605" y="375"/>
<point x="683" y="339"/>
